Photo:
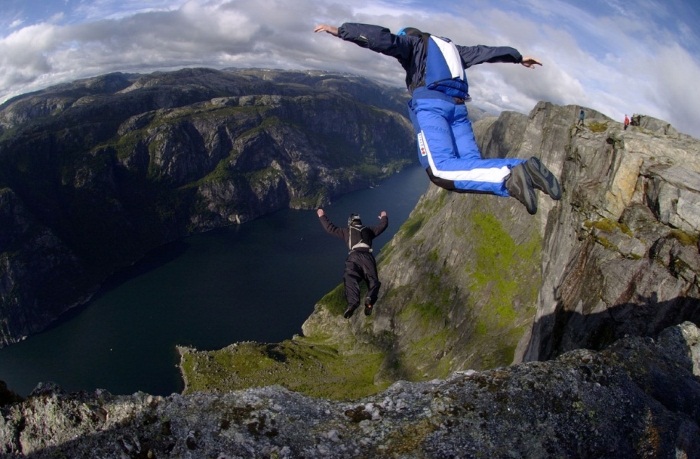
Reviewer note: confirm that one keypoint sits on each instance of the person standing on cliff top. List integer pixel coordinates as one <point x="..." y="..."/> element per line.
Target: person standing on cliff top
<point x="360" y="264"/>
<point x="437" y="82"/>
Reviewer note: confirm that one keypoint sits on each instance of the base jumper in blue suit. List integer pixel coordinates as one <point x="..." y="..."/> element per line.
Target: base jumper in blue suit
<point x="436" y="78"/>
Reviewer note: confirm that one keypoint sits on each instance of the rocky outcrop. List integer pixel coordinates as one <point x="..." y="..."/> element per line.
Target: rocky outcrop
<point x="474" y="282"/>
<point x="638" y="398"/>
<point x="627" y="262"/>
<point x="96" y="173"/>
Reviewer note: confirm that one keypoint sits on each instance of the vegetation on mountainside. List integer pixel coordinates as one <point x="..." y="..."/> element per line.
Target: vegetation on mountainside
<point x="504" y="269"/>
<point x="597" y="126"/>
<point x="304" y="365"/>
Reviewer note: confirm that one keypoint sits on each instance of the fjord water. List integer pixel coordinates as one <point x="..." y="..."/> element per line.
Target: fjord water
<point x="255" y="282"/>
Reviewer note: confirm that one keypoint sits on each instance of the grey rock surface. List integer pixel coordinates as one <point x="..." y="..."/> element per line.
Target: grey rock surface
<point x="638" y="398"/>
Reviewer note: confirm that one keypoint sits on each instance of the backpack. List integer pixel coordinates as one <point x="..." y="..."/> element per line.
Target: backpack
<point x="359" y="237"/>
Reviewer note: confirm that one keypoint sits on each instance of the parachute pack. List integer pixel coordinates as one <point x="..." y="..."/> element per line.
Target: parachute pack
<point x="359" y="236"/>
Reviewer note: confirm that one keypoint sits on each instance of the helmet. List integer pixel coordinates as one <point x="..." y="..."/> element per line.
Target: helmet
<point x="354" y="218"/>
<point x="410" y="31"/>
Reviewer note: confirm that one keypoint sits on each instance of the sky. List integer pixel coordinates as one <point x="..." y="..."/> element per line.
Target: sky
<point x="611" y="56"/>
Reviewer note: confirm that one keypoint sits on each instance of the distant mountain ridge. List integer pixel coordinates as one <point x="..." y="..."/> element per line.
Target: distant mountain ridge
<point x="95" y="173"/>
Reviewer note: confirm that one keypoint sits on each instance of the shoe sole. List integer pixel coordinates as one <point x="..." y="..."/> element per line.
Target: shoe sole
<point x="542" y="178"/>
<point x="521" y="188"/>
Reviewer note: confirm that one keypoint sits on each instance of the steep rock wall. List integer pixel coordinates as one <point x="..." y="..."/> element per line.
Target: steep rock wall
<point x="622" y="246"/>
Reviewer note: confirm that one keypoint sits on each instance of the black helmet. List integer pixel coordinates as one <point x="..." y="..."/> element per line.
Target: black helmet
<point x="354" y="219"/>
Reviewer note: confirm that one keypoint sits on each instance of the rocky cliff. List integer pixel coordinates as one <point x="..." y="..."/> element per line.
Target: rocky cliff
<point x="474" y="282"/>
<point x="95" y="173"/>
<point x="572" y="333"/>
<point x="621" y="254"/>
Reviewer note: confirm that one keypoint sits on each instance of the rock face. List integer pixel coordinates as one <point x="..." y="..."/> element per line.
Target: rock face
<point x="474" y="282"/>
<point x="95" y="173"/>
<point x="621" y="251"/>
<point x="638" y="398"/>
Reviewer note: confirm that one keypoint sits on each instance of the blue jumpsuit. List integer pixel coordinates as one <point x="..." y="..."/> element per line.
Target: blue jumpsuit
<point x="437" y="81"/>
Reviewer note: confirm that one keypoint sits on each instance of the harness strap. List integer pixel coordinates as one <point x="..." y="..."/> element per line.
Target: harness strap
<point x="421" y="63"/>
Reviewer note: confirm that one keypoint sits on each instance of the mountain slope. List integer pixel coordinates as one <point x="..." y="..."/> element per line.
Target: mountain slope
<point x="474" y="282"/>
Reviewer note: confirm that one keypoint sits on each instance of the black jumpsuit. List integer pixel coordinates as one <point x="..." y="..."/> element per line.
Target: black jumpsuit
<point x="359" y="264"/>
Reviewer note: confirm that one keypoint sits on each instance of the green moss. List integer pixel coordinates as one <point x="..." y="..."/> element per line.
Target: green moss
<point x="426" y="312"/>
<point x="685" y="238"/>
<point x="334" y="300"/>
<point x="424" y="210"/>
<point x="299" y="365"/>
<point x="609" y="226"/>
<point x="606" y="243"/>
<point x="597" y="126"/>
<point x="434" y="256"/>
<point x="412" y="225"/>
<point x="498" y="261"/>
<point x="481" y="328"/>
<point x="504" y="283"/>
<point x="384" y="256"/>
<point x="424" y="355"/>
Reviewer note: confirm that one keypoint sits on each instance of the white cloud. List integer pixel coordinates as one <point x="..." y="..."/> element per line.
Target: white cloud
<point x="22" y="55"/>
<point x="16" y="23"/>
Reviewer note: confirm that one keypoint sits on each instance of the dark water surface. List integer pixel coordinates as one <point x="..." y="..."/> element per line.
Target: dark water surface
<point x="258" y="281"/>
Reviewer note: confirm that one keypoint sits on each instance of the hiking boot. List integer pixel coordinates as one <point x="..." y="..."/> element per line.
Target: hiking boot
<point x="519" y="186"/>
<point x="542" y="178"/>
<point x="368" y="309"/>
<point x="349" y="312"/>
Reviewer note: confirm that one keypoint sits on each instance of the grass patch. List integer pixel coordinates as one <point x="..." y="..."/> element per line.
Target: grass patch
<point x="499" y="260"/>
<point x="597" y="126"/>
<point x="609" y="226"/>
<point x="412" y="225"/>
<point x="334" y="300"/>
<point x="424" y="356"/>
<point x="685" y="238"/>
<point x="301" y="366"/>
<point x="504" y="279"/>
